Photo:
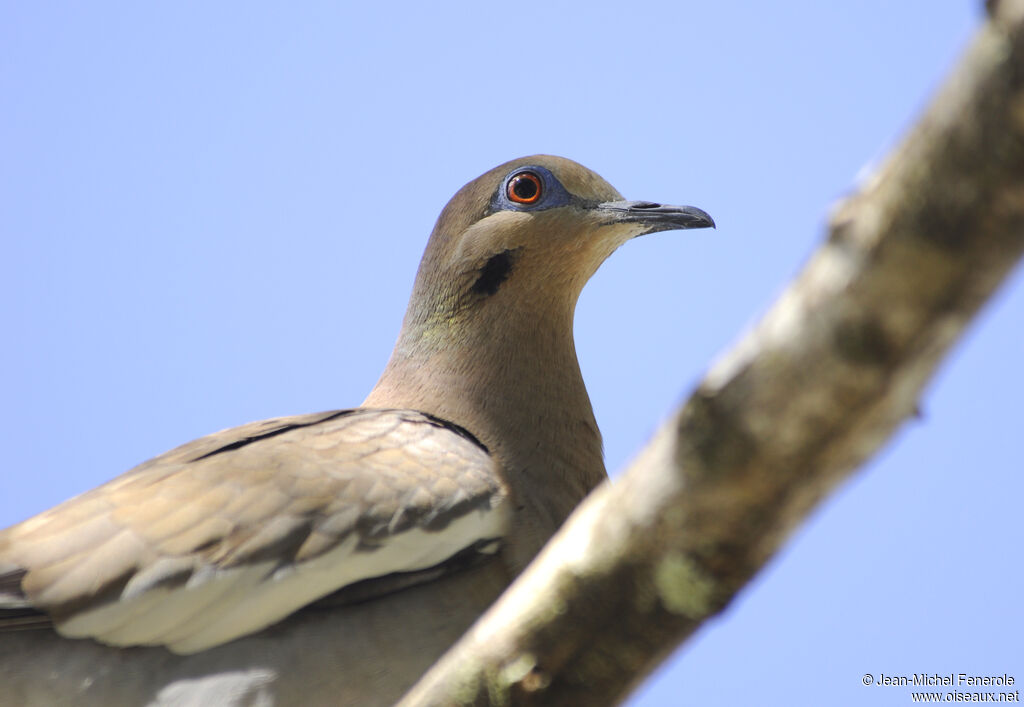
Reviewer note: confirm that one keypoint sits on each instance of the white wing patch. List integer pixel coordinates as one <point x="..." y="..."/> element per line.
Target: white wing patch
<point x="219" y="605"/>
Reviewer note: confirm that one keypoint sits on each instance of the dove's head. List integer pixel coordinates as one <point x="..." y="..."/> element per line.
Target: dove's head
<point x="520" y="241"/>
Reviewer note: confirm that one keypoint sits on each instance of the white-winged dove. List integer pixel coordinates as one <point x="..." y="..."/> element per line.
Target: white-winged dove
<point x="331" y="558"/>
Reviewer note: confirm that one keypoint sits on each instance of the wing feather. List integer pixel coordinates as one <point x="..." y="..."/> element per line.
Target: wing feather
<point x="225" y="535"/>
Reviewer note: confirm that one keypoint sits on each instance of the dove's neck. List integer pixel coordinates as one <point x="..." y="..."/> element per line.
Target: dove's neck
<point x="513" y="380"/>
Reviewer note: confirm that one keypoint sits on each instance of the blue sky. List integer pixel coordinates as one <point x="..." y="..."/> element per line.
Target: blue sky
<point x="212" y="213"/>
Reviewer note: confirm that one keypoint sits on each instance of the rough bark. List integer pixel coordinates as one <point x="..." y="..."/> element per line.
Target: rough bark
<point x="816" y="388"/>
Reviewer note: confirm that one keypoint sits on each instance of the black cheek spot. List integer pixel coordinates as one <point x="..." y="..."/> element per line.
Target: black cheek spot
<point x="494" y="272"/>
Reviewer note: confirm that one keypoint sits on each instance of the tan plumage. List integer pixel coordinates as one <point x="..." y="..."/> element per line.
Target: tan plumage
<point x="151" y="557"/>
<point x="475" y="444"/>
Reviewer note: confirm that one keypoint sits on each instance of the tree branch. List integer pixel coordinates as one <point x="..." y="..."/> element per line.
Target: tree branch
<point x="816" y="388"/>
